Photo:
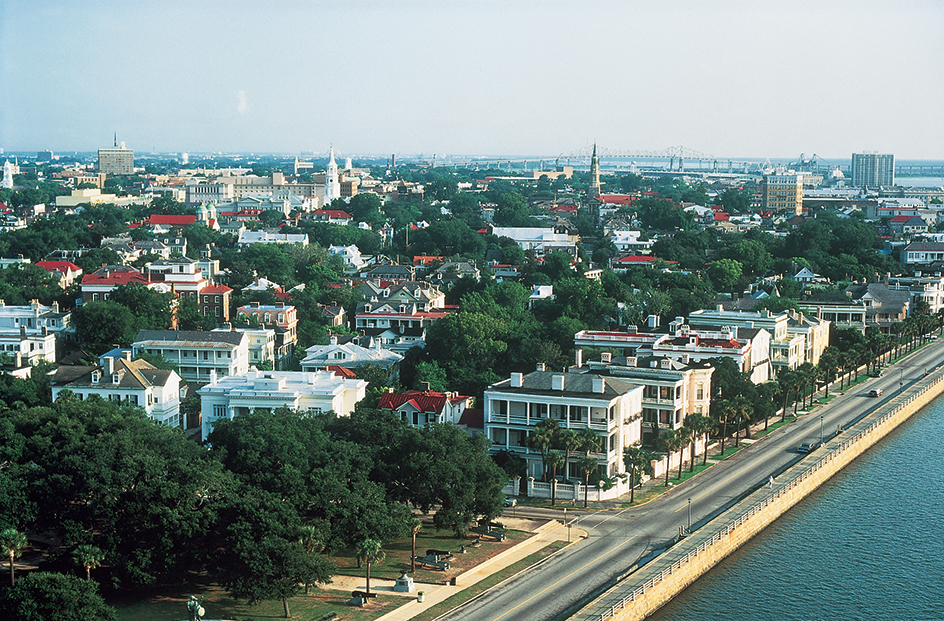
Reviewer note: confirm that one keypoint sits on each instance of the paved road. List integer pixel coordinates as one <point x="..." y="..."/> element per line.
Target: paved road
<point x="618" y="539"/>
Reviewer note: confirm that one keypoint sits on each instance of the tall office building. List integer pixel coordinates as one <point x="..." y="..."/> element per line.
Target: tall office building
<point x="783" y="194"/>
<point x="873" y="170"/>
<point x="116" y="161"/>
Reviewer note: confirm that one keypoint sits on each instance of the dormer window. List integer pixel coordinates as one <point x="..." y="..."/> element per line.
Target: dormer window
<point x="115" y="378"/>
<point x="96" y="377"/>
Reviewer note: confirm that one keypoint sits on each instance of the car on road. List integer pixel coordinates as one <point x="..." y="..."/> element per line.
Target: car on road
<point x="808" y="446"/>
<point x="875" y="392"/>
<point x="876" y="373"/>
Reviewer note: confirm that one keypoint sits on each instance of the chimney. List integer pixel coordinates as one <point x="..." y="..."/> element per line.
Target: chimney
<point x="606" y="357"/>
<point x="516" y="379"/>
<point x="557" y="382"/>
<point x="598" y="384"/>
<point x="126" y="354"/>
<point x="424" y="386"/>
<point x="109" y="364"/>
<point x="578" y="357"/>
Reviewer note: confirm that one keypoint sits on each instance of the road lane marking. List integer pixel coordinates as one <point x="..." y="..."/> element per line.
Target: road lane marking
<point x="551" y="586"/>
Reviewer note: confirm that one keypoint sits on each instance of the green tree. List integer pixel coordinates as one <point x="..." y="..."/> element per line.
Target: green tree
<point x="271" y="568"/>
<point x="41" y="596"/>
<point x="554" y="460"/>
<point x="369" y="551"/>
<point x="725" y="273"/>
<point x="668" y="442"/>
<point x="416" y="525"/>
<point x="89" y="557"/>
<point x="637" y="461"/>
<point x="700" y="425"/>
<point x="541" y="440"/>
<point x="12" y="543"/>
<point x="588" y="465"/>
<point x="104" y="324"/>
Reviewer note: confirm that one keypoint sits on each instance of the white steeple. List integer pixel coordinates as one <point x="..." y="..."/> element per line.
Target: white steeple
<point x="7" y="175"/>
<point x="332" y="189"/>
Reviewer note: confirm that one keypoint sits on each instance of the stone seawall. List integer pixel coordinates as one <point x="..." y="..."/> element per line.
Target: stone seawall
<point x="649" y="588"/>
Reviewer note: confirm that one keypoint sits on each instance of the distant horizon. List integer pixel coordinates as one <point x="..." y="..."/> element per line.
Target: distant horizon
<point x="450" y="77"/>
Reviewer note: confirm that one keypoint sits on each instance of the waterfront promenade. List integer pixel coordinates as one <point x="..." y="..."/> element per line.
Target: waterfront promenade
<point x="569" y="583"/>
<point x="660" y="580"/>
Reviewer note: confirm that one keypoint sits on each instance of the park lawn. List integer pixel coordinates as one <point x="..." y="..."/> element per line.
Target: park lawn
<point x="483" y="585"/>
<point x="398" y="555"/>
<point x="171" y="605"/>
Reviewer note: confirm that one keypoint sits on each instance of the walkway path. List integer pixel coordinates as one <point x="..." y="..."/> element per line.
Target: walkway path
<point x="544" y="535"/>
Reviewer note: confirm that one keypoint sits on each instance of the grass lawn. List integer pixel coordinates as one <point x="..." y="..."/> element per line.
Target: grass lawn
<point x="482" y="586"/>
<point x="398" y="555"/>
<point x="171" y="605"/>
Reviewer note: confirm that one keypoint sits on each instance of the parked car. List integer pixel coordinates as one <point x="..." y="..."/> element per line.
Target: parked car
<point x="808" y="447"/>
<point x="876" y="372"/>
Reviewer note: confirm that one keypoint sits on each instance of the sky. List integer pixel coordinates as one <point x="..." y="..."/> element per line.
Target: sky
<point x="727" y="78"/>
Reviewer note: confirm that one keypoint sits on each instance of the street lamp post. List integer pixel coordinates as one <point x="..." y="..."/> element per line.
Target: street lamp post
<point x="821" y="436"/>
<point x="689" y="515"/>
<point x="901" y="382"/>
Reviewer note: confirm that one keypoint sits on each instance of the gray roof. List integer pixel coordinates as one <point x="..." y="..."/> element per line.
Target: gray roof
<point x="575" y="384"/>
<point x="192" y="337"/>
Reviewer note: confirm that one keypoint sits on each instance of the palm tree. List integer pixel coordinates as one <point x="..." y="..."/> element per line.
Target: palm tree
<point x="668" y="442"/>
<point x="637" y="461"/>
<point x="12" y="543"/>
<point x="415" y="527"/>
<point x="88" y="556"/>
<point x="701" y="425"/>
<point x="589" y="440"/>
<point x="723" y="412"/>
<point x="788" y="383"/>
<point x="369" y="551"/>
<point x="541" y="438"/>
<point x="742" y="414"/>
<point x="555" y="459"/>
<point x="570" y="441"/>
<point x="685" y="437"/>
<point x="312" y="540"/>
<point x="588" y="465"/>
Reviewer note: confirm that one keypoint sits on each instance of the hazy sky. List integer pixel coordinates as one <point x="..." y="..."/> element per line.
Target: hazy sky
<point x="724" y="77"/>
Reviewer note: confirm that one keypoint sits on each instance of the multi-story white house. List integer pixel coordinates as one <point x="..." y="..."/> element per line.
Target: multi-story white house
<point x="118" y="378"/>
<point x="672" y="389"/>
<point x="610" y="406"/>
<point x="787" y="347"/>
<point x="749" y="348"/>
<point x="349" y="356"/>
<point x="398" y="326"/>
<point x="30" y="332"/>
<point x="311" y="392"/>
<point x="198" y="355"/>
<point x="282" y="319"/>
<point x="261" y="343"/>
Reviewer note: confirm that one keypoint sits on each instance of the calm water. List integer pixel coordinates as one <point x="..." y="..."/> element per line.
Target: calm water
<point x="867" y="545"/>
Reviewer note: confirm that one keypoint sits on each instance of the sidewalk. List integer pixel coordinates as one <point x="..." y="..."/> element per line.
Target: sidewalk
<point x="544" y="535"/>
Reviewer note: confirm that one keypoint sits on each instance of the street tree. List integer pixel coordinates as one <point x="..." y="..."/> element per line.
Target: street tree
<point x="369" y="551"/>
<point x="41" y="596"/>
<point x="88" y="557"/>
<point x="12" y="543"/>
<point x="637" y="461"/>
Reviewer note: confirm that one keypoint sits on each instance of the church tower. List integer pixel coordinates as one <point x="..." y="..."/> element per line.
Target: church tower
<point x="7" y="175"/>
<point x="332" y="188"/>
<point x="594" y="191"/>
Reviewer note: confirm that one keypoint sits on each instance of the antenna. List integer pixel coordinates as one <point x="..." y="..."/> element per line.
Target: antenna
<point x="116" y="140"/>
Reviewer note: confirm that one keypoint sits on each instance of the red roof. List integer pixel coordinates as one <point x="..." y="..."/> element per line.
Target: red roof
<point x="618" y="199"/>
<point x="636" y="258"/>
<point x="215" y="289"/>
<point x="58" y="266"/>
<point x="721" y="216"/>
<point x="428" y="401"/>
<point x="334" y="213"/>
<point x="170" y="220"/>
<point x="342" y="372"/>
<point x="115" y="278"/>
<point x="901" y="218"/>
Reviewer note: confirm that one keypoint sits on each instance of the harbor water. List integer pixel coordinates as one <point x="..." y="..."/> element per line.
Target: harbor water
<point x="866" y="545"/>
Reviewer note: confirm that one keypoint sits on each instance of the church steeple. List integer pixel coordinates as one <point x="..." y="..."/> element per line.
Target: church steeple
<point x="332" y="189"/>
<point x="594" y="191"/>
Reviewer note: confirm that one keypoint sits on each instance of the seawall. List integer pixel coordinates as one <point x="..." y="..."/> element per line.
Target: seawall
<point x="653" y="585"/>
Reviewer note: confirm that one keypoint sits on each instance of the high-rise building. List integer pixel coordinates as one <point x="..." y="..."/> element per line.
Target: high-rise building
<point x="783" y="193"/>
<point x="116" y="161"/>
<point x="873" y="170"/>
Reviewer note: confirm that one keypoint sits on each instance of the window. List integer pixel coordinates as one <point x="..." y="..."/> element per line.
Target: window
<point x="219" y="411"/>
